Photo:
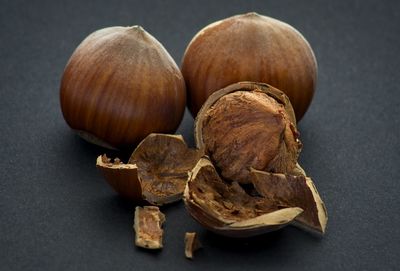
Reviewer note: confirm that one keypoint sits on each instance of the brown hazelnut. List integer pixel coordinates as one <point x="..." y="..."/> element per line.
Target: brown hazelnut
<point x="250" y="47"/>
<point x="248" y="125"/>
<point x="120" y="85"/>
<point x="249" y="181"/>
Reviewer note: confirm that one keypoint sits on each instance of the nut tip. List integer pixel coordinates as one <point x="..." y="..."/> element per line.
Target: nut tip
<point x="252" y="14"/>
<point x="136" y="29"/>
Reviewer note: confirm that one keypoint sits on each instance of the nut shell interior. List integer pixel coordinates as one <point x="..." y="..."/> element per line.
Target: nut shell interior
<point x="157" y="170"/>
<point x="250" y="181"/>
<point x="226" y="208"/>
<point x="148" y="227"/>
<point x="299" y="191"/>
<point x="163" y="162"/>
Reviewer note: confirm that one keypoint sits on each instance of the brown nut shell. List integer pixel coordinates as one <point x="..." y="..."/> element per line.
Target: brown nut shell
<point x="148" y="227"/>
<point x="156" y="172"/>
<point x="192" y="244"/>
<point x="164" y="162"/>
<point x="120" y="85"/>
<point x="227" y="209"/>
<point x="299" y="191"/>
<point x="250" y="47"/>
<point x="122" y="177"/>
<point x="248" y="125"/>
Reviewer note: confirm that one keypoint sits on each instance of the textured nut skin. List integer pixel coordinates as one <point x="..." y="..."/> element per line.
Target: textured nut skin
<point x="120" y="85"/>
<point x="250" y="47"/>
<point x="242" y="133"/>
<point x="163" y="163"/>
<point x="227" y="203"/>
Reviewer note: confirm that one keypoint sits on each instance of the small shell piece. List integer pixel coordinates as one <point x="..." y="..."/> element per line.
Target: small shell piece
<point x="192" y="244"/>
<point x="148" y="227"/>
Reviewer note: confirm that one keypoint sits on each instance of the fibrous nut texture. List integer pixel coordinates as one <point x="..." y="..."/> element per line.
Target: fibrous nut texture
<point x="226" y="208"/>
<point x="163" y="163"/>
<point x="247" y="129"/>
<point x="249" y="181"/>
<point x="157" y="170"/>
<point x="148" y="227"/>
<point x="248" y="125"/>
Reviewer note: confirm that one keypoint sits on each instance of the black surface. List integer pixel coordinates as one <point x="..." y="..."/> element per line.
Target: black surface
<point x="57" y="213"/>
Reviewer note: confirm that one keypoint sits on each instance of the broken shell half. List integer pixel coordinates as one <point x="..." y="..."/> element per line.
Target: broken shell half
<point x="248" y="125"/>
<point x="156" y="172"/>
<point x="164" y="162"/>
<point x="299" y="191"/>
<point x="122" y="177"/>
<point x="227" y="209"/>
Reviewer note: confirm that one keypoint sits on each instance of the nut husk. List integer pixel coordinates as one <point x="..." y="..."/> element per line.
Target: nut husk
<point x="156" y="172"/>
<point x="120" y="85"/>
<point x="249" y="125"/>
<point x="227" y="209"/>
<point x="250" y="47"/>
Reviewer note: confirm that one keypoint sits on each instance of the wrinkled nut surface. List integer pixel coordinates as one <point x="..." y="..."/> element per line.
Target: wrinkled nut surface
<point x="249" y="182"/>
<point x="148" y="227"/>
<point x="248" y="125"/>
<point x="226" y="208"/>
<point x="289" y="190"/>
<point x="156" y="172"/>
<point x="163" y="163"/>
<point x="192" y="244"/>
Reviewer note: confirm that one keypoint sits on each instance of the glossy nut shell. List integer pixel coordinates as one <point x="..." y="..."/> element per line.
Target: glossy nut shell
<point x="250" y="47"/>
<point x="120" y="85"/>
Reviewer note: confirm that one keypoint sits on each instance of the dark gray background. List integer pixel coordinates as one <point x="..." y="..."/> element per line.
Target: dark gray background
<point x="57" y="212"/>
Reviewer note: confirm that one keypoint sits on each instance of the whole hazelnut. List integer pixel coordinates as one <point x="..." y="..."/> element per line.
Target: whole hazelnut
<point x="250" y="47"/>
<point x="120" y="85"/>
